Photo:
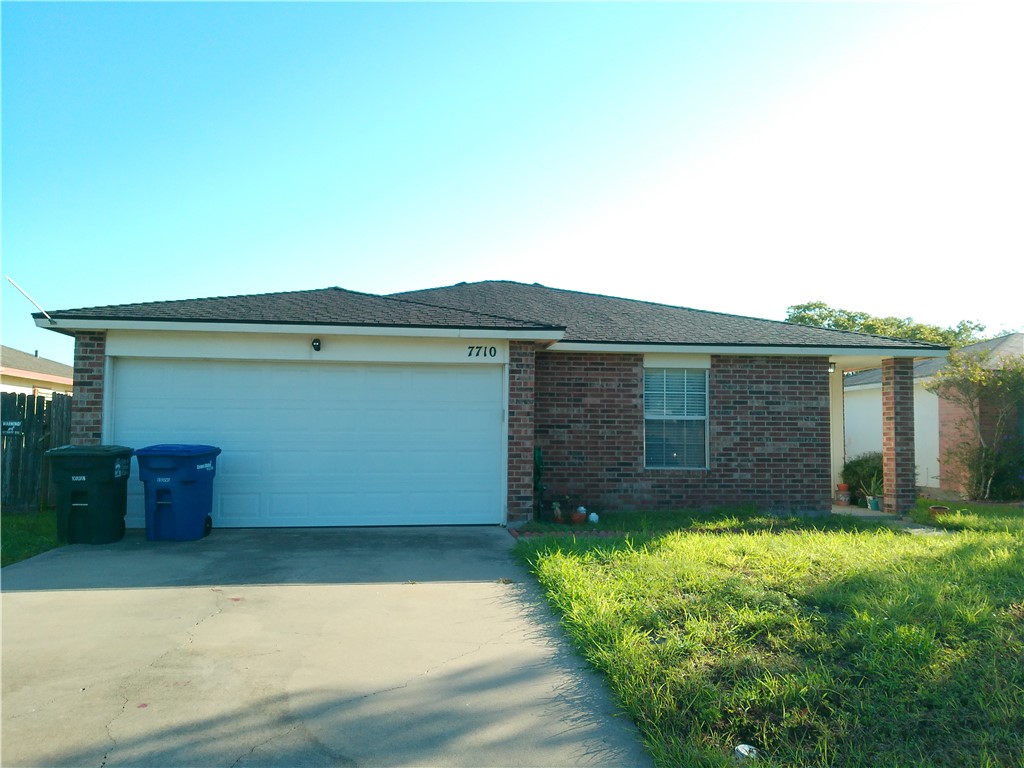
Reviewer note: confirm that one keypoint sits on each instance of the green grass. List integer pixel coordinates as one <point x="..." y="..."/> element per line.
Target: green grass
<point x="25" y="535"/>
<point x="972" y="516"/>
<point x="641" y="524"/>
<point x="820" y="647"/>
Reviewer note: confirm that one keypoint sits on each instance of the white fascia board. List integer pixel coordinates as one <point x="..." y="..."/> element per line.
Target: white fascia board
<point x="300" y="330"/>
<point x="47" y="378"/>
<point x="836" y="353"/>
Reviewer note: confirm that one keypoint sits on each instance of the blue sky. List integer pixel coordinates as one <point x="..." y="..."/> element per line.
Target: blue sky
<point x="738" y="157"/>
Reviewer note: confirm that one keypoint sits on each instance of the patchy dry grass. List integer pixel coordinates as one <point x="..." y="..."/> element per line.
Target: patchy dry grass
<point x="820" y="647"/>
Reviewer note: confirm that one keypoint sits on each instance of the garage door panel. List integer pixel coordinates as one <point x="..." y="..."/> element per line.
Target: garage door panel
<point x="235" y="464"/>
<point x="287" y="505"/>
<point x="327" y="444"/>
<point x="232" y="508"/>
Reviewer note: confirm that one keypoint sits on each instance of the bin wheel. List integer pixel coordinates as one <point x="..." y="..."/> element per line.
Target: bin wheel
<point x="207" y="526"/>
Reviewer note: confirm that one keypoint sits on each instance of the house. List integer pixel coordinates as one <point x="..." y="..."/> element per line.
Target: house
<point x="936" y="421"/>
<point x="340" y="408"/>
<point x="28" y="374"/>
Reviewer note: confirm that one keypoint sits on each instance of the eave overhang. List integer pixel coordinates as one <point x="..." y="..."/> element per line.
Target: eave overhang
<point x="846" y="358"/>
<point x="69" y="326"/>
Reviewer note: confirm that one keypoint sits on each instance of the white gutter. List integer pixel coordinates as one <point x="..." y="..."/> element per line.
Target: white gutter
<point x="742" y="349"/>
<point x="300" y="330"/>
<point x="552" y="337"/>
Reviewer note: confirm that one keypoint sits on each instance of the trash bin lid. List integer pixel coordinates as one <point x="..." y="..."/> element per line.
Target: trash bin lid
<point x="176" y="449"/>
<point x="112" y="451"/>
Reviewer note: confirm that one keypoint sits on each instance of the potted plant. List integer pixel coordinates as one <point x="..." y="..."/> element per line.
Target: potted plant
<point x="873" y="490"/>
<point x="579" y="516"/>
<point x="843" y="494"/>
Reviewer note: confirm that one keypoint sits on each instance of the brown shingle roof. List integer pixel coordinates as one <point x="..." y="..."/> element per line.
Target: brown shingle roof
<point x="497" y="304"/>
<point x="593" y="318"/>
<point x="326" y="306"/>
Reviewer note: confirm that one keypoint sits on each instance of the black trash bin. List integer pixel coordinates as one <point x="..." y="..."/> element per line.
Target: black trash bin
<point x="92" y="491"/>
<point x="179" y="490"/>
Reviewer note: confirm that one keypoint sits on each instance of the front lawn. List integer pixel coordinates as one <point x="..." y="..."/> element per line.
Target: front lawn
<point x="968" y="516"/>
<point x="717" y="521"/>
<point x="858" y="647"/>
<point x="24" y="535"/>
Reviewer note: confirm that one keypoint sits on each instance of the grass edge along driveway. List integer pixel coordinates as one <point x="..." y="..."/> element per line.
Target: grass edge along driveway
<point x="27" y="534"/>
<point x="821" y="643"/>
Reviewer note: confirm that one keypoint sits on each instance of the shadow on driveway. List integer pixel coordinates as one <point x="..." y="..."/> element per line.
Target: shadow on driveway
<point x="273" y="556"/>
<point x="297" y="647"/>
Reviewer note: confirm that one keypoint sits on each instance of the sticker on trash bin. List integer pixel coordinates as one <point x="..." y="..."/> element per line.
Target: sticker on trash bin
<point x="122" y="468"/>
<point x="207" y="466"/>
<point x="78" y="478"/>
<point x="163" y="479"/>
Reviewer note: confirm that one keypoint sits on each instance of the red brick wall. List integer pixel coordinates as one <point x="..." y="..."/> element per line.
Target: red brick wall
<point x="520" y="430"/>
<point x="770" y="432"/>
<point x="769" y="436"/>
<point x="589" y="424"/>
<point x="87" y="404"/>
<point x="956" y="429"/>
<point x="898" y="463"/>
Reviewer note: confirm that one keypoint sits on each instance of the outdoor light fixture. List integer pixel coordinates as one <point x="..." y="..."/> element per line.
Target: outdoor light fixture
<point x="831" y="366"/>
<point x="316" y="345"/>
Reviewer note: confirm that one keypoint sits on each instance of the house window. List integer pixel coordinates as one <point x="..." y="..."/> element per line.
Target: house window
<point x="676" y="418"/>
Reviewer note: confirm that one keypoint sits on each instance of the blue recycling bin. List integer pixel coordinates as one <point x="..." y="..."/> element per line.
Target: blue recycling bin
<point x="179" y="490"/>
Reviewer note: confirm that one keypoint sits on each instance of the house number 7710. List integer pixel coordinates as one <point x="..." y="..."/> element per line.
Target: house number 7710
<point x="482" y="351"/>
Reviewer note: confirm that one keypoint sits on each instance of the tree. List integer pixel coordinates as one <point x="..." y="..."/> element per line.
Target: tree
<point x="990" y="392"/>
<point x="821" y="315"/>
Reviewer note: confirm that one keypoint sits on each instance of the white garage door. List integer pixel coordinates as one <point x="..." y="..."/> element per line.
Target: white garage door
<point x="324" y="444"/>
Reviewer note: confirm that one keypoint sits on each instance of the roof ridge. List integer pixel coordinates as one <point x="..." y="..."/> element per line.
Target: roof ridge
<point x="436" y="305"/>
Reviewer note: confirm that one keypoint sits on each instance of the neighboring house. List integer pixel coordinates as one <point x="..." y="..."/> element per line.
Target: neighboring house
<point x="341" y="408"/>
<point x="33" y="375"/>
<point x="936" y="421"/>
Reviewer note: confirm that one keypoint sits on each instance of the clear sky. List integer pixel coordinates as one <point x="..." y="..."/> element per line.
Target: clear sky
<point x="737" y="157"/>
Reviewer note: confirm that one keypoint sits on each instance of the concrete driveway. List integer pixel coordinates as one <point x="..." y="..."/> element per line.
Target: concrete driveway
<point x="288" y="647"/>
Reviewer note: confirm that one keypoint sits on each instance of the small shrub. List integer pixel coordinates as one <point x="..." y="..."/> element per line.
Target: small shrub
<point x="859" y="471"/>
<point x="997" y="472"/>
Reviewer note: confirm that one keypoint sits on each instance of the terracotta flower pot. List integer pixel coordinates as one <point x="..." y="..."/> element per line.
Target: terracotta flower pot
<point x="937" y="509"/>
<point x="578" y="518"/>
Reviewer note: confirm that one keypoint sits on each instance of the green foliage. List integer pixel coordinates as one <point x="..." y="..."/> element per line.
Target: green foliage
<point x="874" y="486"/>
<point x="25" y="535"/>
<point x="860" y="472"/>
<point x="821" y="315"/>
<point x="639" y="524"/>
<point x="850" y="649"/>
<point x="990" y="392"/>
<point x="999" y="518"/>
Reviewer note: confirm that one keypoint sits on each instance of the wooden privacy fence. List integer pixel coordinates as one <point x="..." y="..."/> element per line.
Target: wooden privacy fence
<point x="31" y="426"/>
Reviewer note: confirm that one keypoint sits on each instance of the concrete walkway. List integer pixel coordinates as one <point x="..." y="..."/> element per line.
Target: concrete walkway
<point x="313" y="647"/>
<point x="901" y="521"/>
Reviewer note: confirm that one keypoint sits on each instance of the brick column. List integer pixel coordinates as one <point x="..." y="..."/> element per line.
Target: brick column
<point x="521" y="376"/>
<point x="87" y="402"/>
<point x="898" y="434"/>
